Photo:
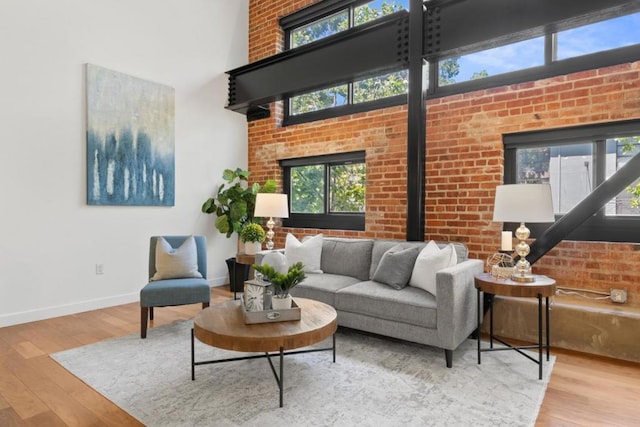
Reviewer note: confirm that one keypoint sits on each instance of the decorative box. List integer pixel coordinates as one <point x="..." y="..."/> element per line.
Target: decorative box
<point x="267" y="316"/>
<point x="257" y="295"/>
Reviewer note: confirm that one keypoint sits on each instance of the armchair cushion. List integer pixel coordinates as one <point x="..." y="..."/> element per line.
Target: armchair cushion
<point x="178" y="263"/>
<point x="175" y="292"/>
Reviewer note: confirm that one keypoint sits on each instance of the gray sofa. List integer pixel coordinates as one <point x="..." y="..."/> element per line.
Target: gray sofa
<point x="411" y="313"/>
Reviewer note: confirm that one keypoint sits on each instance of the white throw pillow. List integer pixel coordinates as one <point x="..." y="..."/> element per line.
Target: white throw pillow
<point x="309" y="252"/>
<point x="431" y="260"/>
<point x="277" y="260"/>
<point x="176" y="263"/>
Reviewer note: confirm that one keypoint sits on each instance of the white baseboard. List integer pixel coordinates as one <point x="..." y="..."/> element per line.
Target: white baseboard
<point x="66" y="309"/>
<point x="77" y="307"/>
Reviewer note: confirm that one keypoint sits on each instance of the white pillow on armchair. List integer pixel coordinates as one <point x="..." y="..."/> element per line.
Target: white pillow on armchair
<point x="176" y="263"/>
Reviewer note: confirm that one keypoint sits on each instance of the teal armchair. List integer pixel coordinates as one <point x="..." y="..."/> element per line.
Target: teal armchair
<point x="174" y="291"/>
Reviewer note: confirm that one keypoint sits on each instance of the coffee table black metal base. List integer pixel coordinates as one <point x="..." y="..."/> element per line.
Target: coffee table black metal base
<point x="278" y="376"/>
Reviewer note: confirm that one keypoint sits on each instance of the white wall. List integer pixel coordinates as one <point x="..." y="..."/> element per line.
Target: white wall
<point x="51" y="240"/>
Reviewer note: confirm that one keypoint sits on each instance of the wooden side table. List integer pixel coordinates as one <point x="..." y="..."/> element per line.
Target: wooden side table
<point x="543" y="286"/>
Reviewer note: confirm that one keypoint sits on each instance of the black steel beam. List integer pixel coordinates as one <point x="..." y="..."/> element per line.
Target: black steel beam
<point x="463" y="26"/>
<point x="352" y="54"/>
<point x="589" y="206"/>
<point x="449" y="27"/>
<point x="416" y="128"/>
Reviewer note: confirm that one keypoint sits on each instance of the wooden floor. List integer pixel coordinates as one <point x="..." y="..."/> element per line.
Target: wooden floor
<point x="35" y="391"/>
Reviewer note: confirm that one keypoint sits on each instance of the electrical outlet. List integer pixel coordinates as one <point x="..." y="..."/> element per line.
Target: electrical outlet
<point x="619" y="295"/>
<point x="99" y="268"/>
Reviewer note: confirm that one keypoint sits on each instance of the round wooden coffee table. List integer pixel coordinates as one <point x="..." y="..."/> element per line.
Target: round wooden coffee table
<point x="222" y="326"/>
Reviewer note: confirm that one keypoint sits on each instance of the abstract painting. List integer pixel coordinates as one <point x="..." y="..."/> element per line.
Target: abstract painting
<point x="130" y="140"/>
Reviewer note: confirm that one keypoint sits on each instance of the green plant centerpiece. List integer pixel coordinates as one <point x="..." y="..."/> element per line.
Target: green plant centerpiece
<point x="282" y="282"/>
<point x="235" y="201"/>
<point x="252" y="232"/>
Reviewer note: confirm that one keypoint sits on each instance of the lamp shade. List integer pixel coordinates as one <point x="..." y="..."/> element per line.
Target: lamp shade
<point x="271" y="205"/>
<point x="523" y="203"/>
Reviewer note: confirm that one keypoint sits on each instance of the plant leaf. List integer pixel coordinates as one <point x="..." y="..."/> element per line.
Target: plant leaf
<point x="209" y="206"/>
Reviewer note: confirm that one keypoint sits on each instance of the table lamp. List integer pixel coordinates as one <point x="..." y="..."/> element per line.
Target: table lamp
<point x="271" y="205"/>
<point x="523" y="203"/>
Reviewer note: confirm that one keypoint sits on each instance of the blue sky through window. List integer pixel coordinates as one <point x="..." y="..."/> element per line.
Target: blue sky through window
<point x="376" y="4"/>
<point x="610" y="34"/>
<point x="598" y="37"/>
<point x="503" y="59"/>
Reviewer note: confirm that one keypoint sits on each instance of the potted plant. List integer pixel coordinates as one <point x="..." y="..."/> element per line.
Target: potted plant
<point x="252" y="235"/>
<point x="235" y="201"/>
<point x="282" y="283"/>
<point x="233" y="205"/>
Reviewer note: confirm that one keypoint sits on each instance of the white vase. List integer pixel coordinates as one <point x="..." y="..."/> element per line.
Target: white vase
<point x="279" y="303"/>
<point x="251" y="248"/>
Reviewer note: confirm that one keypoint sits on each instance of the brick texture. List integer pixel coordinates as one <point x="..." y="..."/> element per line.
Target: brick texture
<point x="464" y="156"/>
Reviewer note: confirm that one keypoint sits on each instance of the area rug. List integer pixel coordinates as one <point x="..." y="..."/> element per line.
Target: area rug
<point x="374" y="382"/>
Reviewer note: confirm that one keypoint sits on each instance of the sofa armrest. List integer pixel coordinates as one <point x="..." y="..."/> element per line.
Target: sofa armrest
<point x="457" y="302"/>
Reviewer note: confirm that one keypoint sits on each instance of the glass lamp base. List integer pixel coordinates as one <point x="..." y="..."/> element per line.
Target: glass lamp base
<point x="523" y="278"/>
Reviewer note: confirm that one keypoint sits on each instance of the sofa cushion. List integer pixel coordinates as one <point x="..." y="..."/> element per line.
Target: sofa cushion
<point x="431" y="260"/>
<point x="347" y="257"/>
<point x="413" y="306"/>
<point x="462" y="253"/>
<point x="396" y="265"/>
<point x="308" y="252"/>
<point x="382" y="246"/>
<point x="322" y="287"/>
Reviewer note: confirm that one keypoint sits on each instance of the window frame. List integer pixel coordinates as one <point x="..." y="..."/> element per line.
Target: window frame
<point x="600" y="227"/>
<point x="551" y="67"/>
<point x="328" y="220"/>
<point x="312" y="14"/>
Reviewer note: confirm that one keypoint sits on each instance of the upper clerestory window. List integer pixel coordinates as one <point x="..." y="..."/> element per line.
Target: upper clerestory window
<point x="362" y="95"/>
<point x="342" y="20"/>
<point x="598" y="37"/>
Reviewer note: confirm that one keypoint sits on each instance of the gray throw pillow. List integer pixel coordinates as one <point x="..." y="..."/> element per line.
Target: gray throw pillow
<point x="396" y="265"/>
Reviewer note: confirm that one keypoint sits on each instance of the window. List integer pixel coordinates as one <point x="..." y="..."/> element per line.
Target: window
<point x="319" y="29"/>
<point x="326" y="191"/>
<point x="567" y="168"/>
<point x="318" y="100"/>
<point x="607" y="35"/>
<point x="363" y="95"/>
<point x="380" y="87"/>
<point x="574" y="161"/>
<point x="619" y="151"/>
<point x="360" y="92"/>
<point x="372" y="10"/>
<point x="598" y="37"/>
<point x="348" y="16"/>
<point x="490" y="62"/>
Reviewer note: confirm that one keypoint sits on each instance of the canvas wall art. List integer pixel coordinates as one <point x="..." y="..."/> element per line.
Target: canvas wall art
<point x="130" y="140"/>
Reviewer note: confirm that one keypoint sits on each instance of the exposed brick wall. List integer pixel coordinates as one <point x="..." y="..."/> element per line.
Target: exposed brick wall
<point x="465" y="164"/>
<point x="464" y="156"/>
<point x="265" y="36"/>
<point x="381" y="134"/>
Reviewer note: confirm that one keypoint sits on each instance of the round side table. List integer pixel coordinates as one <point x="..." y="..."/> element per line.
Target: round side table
<point x="543" y="286"/>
